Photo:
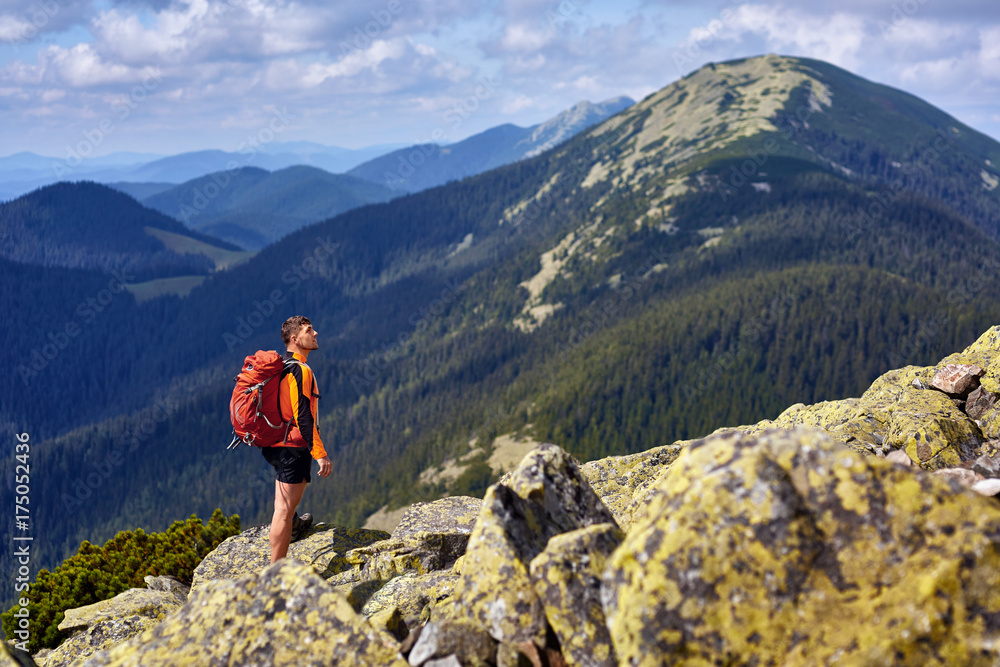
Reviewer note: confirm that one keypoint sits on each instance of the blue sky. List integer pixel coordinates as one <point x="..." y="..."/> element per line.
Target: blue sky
<point x="168" y="76"/>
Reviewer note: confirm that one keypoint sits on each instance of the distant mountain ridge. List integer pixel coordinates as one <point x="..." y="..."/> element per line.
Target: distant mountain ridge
<point x="23" y="172"/>
<point x="428" y="165"/>
<point x="253" y="208"/>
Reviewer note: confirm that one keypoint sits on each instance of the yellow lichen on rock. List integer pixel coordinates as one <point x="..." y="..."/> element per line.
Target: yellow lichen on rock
<point x="567" y="576"/>
<point x="932" y="431"/>
<point x="286" y="615"/>
<point x="789" y="548"/>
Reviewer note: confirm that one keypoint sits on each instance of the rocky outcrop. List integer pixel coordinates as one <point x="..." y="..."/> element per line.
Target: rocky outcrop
<point x="455" y="515"/>
<point x="285" y="615"/>
<point x="788" y="548"/>
<point x="324" y="548"/>
<point x="105" y="624"/>
<point x="618" y="479"/>
<point x="924" y="411"/>
<point x="845" y="532"/>
<point x="545" y="496"/>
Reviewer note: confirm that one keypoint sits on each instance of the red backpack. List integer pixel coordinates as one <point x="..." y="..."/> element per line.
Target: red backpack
<point x="254" y="408"/>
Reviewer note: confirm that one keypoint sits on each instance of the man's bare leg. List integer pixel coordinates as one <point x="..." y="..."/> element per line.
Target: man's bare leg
<point x="286" y="499"/>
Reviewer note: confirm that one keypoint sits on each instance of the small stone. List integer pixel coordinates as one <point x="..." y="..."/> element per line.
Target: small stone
<point x="166" y="583"/>
<point x="899" y="457"/>
<point x="426" y="646"/>
<point x="450" y="661"/>
<point x="441" y="639"/>
<point x="987" y="487"/>
<point x="979" y="403"/>
<point x="957" y="379"/>
<point x="963" y="476"/>
<point x="987" y="466"/>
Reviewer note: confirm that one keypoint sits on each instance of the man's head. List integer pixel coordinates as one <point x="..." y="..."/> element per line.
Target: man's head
<point x="298" y="332"/>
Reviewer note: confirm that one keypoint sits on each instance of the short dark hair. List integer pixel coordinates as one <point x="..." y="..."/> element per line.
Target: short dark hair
<point x="292" y="326"/>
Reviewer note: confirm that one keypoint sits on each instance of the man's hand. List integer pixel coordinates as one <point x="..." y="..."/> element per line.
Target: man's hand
<point x="325" y="466"/>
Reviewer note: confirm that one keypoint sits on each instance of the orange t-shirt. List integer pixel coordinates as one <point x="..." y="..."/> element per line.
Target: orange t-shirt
<point x="299" y="400"/>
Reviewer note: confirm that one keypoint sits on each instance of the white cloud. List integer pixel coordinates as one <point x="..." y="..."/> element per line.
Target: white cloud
<point x="837" y="38"/>
<point x="13" y="28"/>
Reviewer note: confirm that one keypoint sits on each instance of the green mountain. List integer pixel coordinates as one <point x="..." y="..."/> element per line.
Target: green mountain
<point x="738" y="242"/>
<point x="90" y="226"/>
<point x="253" y="207"/>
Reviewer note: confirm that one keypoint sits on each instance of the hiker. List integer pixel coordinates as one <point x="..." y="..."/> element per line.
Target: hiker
<point x="293" y="457"/>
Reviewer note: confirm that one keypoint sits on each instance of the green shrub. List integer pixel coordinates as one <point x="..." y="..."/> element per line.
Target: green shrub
<point x="100" y="573"/>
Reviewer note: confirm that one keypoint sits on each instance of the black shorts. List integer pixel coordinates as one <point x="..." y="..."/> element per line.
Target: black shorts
<point x="291" y="464"/>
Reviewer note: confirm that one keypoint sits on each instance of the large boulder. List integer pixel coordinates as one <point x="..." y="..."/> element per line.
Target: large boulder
<point x="545" y="496"/>
<point x="928" y="426"/>
<point x="618" y="479"/>
<point x="429" y="539"/>
<point x="789" y="548"/>
<point x="324" y="548"/>
<point x="567" y="577"/>
<point x="285" y="615"/>
<point x="447" y="516"/>
<point x="107" y="623"/>
<point x="412" y="594"/>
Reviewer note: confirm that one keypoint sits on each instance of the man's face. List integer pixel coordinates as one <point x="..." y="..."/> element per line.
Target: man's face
<point x="306" y="338"/>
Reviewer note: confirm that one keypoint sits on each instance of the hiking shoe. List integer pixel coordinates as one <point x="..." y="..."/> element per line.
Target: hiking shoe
<point x="301" y="525"/>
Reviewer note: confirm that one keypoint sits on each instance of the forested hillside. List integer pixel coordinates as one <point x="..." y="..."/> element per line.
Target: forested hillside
<point x="622" y="291"/>
<point x="253" y="207"/>
<point x="91" y="226"/>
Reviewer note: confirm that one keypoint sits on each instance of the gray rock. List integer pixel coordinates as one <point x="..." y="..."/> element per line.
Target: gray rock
<point x="133" y="602"/>
<point x="324" y="548"/>
<point x="567" y="577"/>
<point x="450" y="661"/>
<point x="467" y="643"/>
<point x="167" y="584"/>
<point x="285" y="615"/>
<point x="987" y="466"/>
<point x="411" y="593"/>
<point x="979" y="403"/>
<point x="455" y="514"/>
<point x="547" y="496"/>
